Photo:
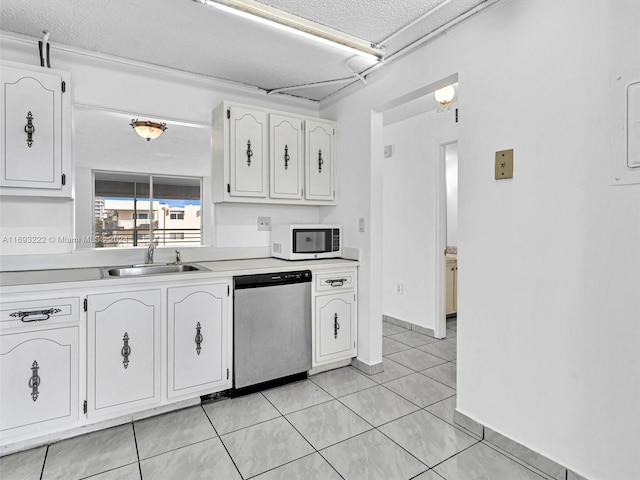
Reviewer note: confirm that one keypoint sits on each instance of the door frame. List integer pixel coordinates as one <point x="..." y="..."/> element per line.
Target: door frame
<point x="440" y="189"/>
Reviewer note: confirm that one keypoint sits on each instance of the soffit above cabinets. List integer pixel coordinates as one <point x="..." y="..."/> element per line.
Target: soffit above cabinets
<point x="188" y="36"/>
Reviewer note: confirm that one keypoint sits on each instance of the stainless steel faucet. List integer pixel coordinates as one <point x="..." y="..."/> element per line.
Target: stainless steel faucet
<point x="177" y="256"/>
<point x="150" y="250"/>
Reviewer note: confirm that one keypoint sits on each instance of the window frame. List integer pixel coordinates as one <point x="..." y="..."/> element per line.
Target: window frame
<point x="152" y="233"/>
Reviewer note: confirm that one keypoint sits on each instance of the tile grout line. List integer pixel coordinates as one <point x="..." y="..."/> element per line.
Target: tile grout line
<point x="315" y="450"/>
<point x="222" y="442"/>
<point x="519" y="461"/>
<point x="46" y="454"/>
<point x="135" y="441"/>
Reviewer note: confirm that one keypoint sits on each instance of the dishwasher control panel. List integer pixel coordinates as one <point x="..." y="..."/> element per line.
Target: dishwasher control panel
<point x="270" y="279"/>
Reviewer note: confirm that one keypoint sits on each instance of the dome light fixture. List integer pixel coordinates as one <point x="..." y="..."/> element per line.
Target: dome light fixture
<point x="148" y="129"/>
<point x="444" y="96"/>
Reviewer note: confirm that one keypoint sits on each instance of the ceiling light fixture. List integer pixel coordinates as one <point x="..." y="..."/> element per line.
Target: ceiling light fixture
<point x="148" y="129"/>
<point x="297" y="25"/>
<point x="444" y="96"/>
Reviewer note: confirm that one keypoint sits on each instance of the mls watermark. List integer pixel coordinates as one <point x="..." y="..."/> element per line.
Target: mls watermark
<point x="43" y="239"/>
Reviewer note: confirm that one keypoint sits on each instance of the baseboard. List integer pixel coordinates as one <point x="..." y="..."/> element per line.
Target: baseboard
<point x="366" y="368"/>
<point x="408" y="325"/>
<point x="514" y="449"/>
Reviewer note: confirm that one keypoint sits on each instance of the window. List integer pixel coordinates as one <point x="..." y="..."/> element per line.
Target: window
<point x="131" y="210"/>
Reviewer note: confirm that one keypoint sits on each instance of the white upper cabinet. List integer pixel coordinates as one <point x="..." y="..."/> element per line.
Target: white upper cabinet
<point x="285" y="139"/>
<point x="320" y="159"/>
<point x="250" y="166"/>
<point x="248" y="151"/>
<point x="35" y="130"/>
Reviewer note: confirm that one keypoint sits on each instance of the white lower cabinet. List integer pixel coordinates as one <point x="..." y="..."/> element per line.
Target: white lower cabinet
<point x="123" y="367"/>
<point x="335" y="327"/>
<point x="335" y="317"/>
<point x="39" y="380"/>
<point x="198" y="339"/>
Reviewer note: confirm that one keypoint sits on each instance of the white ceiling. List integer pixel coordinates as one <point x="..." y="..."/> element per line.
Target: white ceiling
<point x="188" y="36"/>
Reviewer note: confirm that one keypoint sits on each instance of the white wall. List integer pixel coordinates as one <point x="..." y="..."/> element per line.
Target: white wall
<point x="548" y="328"/>
<point x="409" y="215"/>
<point x="146" y="91"/>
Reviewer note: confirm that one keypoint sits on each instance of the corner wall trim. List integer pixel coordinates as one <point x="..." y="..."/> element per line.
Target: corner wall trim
<point x="408" y="325"/>
<point x="515" y="449"/>
<point x="366" y="368"/>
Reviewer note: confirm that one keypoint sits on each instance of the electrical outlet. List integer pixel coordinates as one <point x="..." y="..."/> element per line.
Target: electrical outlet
<point x="264" y="224"/>
<point x="400" y="289"/>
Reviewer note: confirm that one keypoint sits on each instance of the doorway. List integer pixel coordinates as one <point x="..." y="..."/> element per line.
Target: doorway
<point x="449" y="157"/>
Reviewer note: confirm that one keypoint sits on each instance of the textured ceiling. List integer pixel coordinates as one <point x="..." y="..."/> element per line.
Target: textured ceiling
<point x="188" y="36"/>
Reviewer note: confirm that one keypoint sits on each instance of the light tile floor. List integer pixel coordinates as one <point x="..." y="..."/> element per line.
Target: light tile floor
<point x="341" y="424"/>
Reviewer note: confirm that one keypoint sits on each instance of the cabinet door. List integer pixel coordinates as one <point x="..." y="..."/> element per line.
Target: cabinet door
<point x="450" y="288"/>
<point x="285" y="135"/>
<point x="320" y="161"/>
<point x="335" y="327"/>
<point x="39" y="380"/>
<point x="248" y="152"/>
<point x="198" y="339"/>
<point x="31" y="129"/>
<point x="123" y="349"/>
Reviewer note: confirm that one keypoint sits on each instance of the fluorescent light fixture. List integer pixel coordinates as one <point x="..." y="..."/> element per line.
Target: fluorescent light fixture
<point x="300" y="26"/>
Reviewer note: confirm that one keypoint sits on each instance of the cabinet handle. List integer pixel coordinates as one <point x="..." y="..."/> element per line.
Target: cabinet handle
<point x="286" y="157"/>
<point x="249" y="153"/>
<point x="336" y="282"/>
<point x="29" y="128"/>
<point x="34" y="381"/>
<point x="35" y="315"/>
<point x="336" y="325"/>
<point x="320" y="161"/>
<point x="126" y="350"/>
<point x="199" y="338"/>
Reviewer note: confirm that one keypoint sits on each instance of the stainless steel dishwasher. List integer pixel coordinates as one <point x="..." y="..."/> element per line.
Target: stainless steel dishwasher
<point x="271" y="326"/>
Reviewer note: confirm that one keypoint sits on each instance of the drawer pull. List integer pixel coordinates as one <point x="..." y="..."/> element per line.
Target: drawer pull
<point x="199" y="339"/>
<point x="336" y="325"/>
<point x="126" y="350"/>
<point x="35" y="315"/>
<point x="336" y="282"/>
<point x="34" y="381"/>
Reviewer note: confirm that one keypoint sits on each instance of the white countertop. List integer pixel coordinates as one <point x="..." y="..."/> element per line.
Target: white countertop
<point x="219" y="268"/>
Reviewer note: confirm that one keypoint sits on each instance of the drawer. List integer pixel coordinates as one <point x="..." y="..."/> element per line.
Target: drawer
<point x="334" y="281"/>
<point x="39" y="312"/>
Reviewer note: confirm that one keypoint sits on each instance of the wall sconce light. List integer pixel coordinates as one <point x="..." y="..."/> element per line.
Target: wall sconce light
<point x="444" y="97"/>
<point x="148" y="129"/>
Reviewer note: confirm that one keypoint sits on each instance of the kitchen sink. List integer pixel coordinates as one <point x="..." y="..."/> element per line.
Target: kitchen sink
<point x="141" y="270"/>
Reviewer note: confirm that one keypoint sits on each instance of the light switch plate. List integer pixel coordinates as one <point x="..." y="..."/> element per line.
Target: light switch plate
<point x="504" y="164"/>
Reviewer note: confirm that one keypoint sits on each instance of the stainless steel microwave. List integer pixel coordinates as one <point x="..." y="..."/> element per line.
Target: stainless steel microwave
<point x="305" y="242"/>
